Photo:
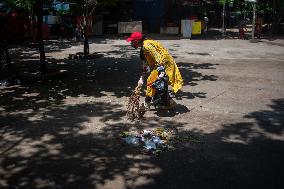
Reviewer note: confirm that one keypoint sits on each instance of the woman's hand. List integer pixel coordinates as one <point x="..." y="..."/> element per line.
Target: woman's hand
<point x="140" y="82"/>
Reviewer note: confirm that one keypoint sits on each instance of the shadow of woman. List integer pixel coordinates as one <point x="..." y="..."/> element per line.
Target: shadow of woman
<point x="177" y="110"/>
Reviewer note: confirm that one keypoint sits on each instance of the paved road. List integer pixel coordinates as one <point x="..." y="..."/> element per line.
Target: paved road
<point x="64" y="133"/>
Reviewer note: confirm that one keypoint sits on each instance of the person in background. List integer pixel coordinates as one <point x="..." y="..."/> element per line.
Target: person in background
<point x="258" y="26"/>
<point x="162" y="70"/>
<point x="206" y="20"/>
<point x="242" y="30"/>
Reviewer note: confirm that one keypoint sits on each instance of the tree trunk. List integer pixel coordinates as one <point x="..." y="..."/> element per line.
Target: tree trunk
<point x="8" y="61"/>
<point x="253" y="21"/>
<point x="274" y="17"/>
<point x="4" y="45"/>
<point x="5" y="61"/>
<point x="223" y="21"/>
<point x="43" y="67"/>
<point x="86" y="41"/>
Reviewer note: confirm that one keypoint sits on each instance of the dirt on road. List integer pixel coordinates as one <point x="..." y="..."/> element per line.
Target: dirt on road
<point x="64" y="133"/>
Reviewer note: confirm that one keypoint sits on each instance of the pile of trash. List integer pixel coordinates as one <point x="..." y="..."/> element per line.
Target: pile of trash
<point x="153" y="142"/>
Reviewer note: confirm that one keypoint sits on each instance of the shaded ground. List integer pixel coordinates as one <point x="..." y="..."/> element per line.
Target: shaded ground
<point x="64" y="133"/>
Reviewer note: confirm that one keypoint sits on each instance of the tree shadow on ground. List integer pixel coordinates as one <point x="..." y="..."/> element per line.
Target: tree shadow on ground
<point x="238" y="155"/>
<point x="93" y="82"/>
<point x="92" y="78"/>
<point x="176" y="110"/>
<point x="114" y="74"/>
<point x="50" y="139"/>
<point x="271" y="42"/>
<point x="27" y="51"/>
<point x="62" y="147"/>
<point x="192" y="76"/>
<point x="63" y="133"/>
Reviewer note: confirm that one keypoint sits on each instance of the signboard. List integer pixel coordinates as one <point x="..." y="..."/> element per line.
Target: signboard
<point x="129" y="27"/>
<point x="196" y="27"/>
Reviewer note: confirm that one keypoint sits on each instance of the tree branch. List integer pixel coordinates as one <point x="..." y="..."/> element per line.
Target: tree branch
<point x="93" y="10"/>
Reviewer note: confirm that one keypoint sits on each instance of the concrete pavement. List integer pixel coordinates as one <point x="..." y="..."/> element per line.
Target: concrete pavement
<point x="64" y="134"/>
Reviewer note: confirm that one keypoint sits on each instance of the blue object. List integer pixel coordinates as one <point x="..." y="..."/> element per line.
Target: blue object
<point x="157" y="140"/>
<point x="150" y="145"/>
<point x="160" y="68"/>
<point x="150" y="12"/>
<point x="131" y="140"/>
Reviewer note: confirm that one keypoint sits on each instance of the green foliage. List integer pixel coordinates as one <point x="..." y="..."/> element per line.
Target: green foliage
<point x="222" y="2"/>
<point x="20" y="4"/>
<point x="81" y="4"/>
<point x="92" y="3"/>
<point x="23" y="4"/>
<point x="262" y="6"/>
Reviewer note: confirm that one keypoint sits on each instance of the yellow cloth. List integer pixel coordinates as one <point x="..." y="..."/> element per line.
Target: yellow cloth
<point x="156" y="54"/>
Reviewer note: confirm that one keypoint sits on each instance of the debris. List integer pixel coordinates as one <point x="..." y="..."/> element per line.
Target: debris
<point x="147" y="132"/>
<point x="157" y="140"/>
<point x="150" y="145"/>
<point x="124" y="134"/>
<point x="154" y="141"/>
<point x="132" y="140"/>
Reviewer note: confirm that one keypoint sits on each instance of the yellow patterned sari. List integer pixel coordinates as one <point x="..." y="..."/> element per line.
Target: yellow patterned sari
<point x="155" y="54"/>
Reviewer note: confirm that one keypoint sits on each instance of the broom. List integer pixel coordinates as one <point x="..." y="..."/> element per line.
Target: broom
<point x="133" y="107"/>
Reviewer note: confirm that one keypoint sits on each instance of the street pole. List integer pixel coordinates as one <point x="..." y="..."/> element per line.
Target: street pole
<point x="253" y="21"/>
<point x="85" y="22"/>
<point x="223" y="24"/>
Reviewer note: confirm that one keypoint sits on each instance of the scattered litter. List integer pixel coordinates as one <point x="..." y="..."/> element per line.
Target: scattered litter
<point x="124" y="134"/>
<point x="147" y="132"/>
<point x="150" y="145"/>
<point x="157" y="140"/>
<point x="131" y="140"/>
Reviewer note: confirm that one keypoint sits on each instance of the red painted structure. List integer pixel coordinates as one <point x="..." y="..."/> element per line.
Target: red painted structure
<point x="13" y="27"/>
<point x="16" y="27"/>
